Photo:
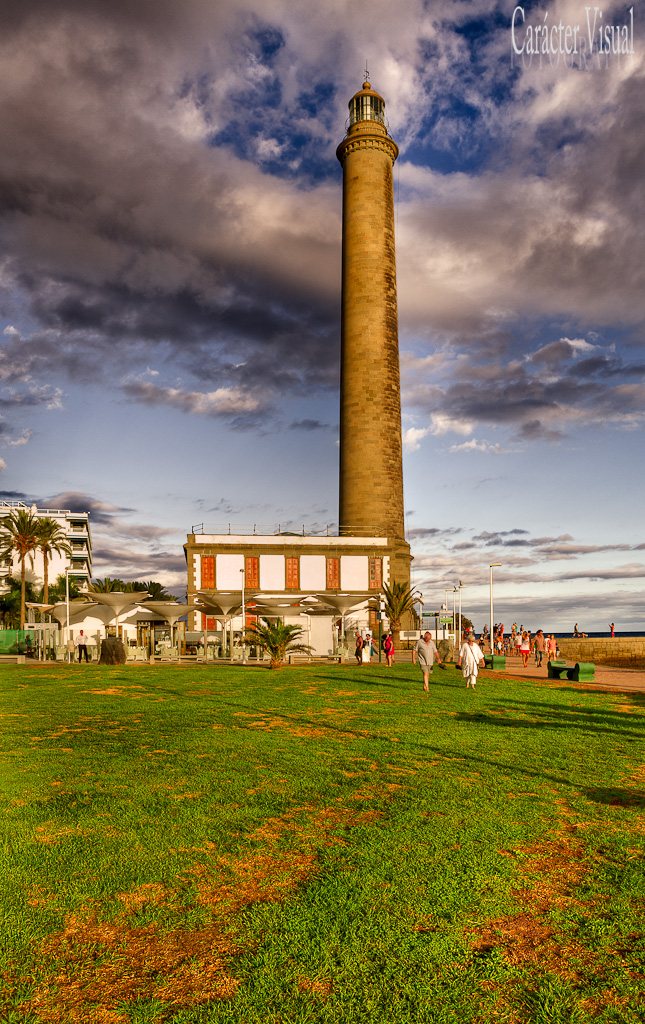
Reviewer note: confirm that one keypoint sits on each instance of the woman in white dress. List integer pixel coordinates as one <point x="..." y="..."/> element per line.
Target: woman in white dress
<point x="470" y="658"/>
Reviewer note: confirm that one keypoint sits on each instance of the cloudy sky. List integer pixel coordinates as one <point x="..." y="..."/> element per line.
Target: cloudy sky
<point x="170" y="227"/>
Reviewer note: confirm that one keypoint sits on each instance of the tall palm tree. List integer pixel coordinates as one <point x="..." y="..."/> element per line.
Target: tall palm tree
<point x="157" y="591"/>
<point x="10" y="603"/>
<point x="19" y="536"/>
<point x="51" y="537"/>
<point x="276" y="639"/>
<point x="106" y="586"/>
<point x="58" y="589"/>
<point x="399" y="599"/>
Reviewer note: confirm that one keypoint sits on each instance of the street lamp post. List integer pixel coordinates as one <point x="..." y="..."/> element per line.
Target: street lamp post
<point x="490" y="628"/>
<point x="454" y="616"/>
<point x="462" y="586"/>
<point x="67" y="611"/>
<point x="243" y="571"/>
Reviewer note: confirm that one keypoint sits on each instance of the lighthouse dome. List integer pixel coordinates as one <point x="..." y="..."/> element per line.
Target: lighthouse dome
<point x="366" y="105"/>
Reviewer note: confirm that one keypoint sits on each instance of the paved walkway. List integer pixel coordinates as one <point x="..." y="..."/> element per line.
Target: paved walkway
<point x="607" y="678"/>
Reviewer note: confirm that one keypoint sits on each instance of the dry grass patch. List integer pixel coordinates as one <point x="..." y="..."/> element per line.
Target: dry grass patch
<point x="531" y="938"/>
<point x="321" y="988"/>
<point x="95" y="966"/>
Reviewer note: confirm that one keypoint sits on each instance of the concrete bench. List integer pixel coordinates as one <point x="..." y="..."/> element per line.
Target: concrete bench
<point x="15" y="659"/>
<point x="319" y="658"/>
<point x="495" y="661"/>
<point x="156" y="659"/>
<point x="581" y="672"/>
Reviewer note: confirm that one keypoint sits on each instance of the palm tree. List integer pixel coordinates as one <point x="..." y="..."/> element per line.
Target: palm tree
<point x="106" y="586"/>
<point x="19" y="536"/>
<point x="399" y="599"/>
<point x="157" y="591"/>
<point x="51" y="537"/>
<point x="276" y="639"/>
<point x="58" y="589"/>
<point x="10" y="602"/>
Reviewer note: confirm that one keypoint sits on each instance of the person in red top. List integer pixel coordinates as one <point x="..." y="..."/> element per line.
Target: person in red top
<point x="388" y="648"/>
<point x="525" y="647"/>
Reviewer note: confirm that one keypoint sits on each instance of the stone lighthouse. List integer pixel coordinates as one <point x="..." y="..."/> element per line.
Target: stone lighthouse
<point x="371" y="471"/>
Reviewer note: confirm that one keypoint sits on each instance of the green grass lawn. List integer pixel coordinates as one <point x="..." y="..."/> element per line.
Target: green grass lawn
<point x="318" y="844"/>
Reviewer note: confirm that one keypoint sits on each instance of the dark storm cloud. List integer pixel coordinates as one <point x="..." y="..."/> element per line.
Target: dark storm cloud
<point x="308" y="425"/>
<point x="125" y="228"/>
<point x="537" y="405"/>
<point x="636" y="570"/>
<point x="535" y="430"/>
<point x="16" y="496"/>
<point x="499" y="536"/>
<point x="101" y="512"/>
<point x="32" y="398"/>
<point x="432" y="532"/>
<point x="129" y="564"/>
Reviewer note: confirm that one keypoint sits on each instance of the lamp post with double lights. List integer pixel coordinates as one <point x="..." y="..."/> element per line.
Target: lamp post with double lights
<point x="67" y="612"/>
<point x="446" y="609"/>
<point x="243" y="571"/>
<point x="462" y="586"/>
<point x="490" y="628"/>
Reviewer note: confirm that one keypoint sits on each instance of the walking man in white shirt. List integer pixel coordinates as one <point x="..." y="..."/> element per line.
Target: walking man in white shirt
<point x="470" y="658"/>
<point x="425" y="651"/>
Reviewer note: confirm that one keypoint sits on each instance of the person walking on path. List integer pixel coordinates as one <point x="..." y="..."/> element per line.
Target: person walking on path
<point x="470" y="658"/>
<point x="425" y="652"/>
<point x="358" y="653"/>
<point x="552" y="647"/>
<point x="611" y="626"/>
<point x="539" y="647"/>
<point x="366" y="652"/>
<point x="525" y="648"/>
<point x="388" y="649"/>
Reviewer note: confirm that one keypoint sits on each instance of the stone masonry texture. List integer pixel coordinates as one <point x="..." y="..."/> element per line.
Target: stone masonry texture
<point x="371" y="472"/>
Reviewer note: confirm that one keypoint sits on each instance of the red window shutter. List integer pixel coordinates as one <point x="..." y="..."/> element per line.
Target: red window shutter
<point x="252" y="566"/>
<point x="333" y="573"/>
<point x="208" y="623"/>
<point x="293" y="574"/>
<point x="376" y="573"/>
<point x="208" y="572"/>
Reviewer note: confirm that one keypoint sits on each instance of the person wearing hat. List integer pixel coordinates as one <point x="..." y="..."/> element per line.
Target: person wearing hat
<point x="470" y="658"/>
<point x="426" y="653"/>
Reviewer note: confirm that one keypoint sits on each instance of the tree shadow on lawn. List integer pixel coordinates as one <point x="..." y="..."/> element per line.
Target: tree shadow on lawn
<point x="482" y="717"/>
<point x="557" y="716"/>
<point x="615" y="796"/>
<point x="417" y="746"/>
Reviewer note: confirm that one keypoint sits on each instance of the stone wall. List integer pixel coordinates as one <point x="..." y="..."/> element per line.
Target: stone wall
<point x="621" y="652"/>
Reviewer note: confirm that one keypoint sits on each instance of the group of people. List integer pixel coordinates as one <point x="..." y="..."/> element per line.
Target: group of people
<point x="363" y="651"/>
<point x="521" y="642"/>
<point x="425" y="653"/>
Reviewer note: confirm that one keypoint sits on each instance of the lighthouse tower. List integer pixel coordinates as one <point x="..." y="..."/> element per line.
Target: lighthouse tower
<point x="371" y="472"/>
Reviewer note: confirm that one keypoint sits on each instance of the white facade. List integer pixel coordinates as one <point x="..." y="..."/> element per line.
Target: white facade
<point x="76" y="527"/>
<point x="292" y="568"/>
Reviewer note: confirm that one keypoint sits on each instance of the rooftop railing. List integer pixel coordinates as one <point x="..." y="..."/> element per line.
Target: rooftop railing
<point x="281" y="529"/>
<point x="8" y="504"/>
